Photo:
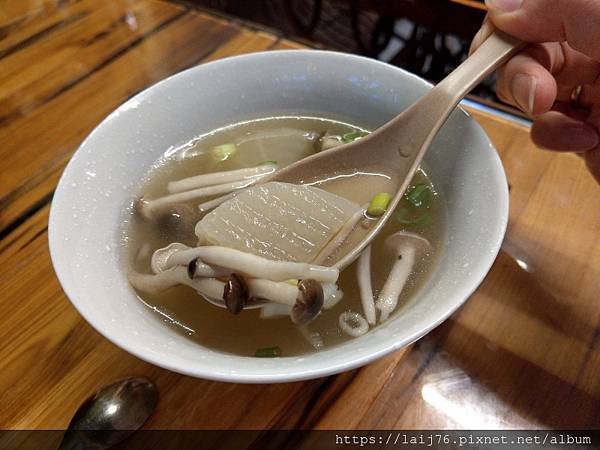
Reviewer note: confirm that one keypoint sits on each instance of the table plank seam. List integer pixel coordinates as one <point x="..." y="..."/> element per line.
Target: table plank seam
<point x="588" y="356"/>
<point x="229" y="19"/>
<point x="4" y="120"/>
<point x="313" y="400"/>
<point x="36" y="13"/>
<point x="198" y="60"/>
<point x="248" y="24"/>
<point x="27" y="214"/>
<point x="326" y="393"/>
<point x="41" y="34"/>
<point x="34" y="237"/>
<point x="32" y="183"/>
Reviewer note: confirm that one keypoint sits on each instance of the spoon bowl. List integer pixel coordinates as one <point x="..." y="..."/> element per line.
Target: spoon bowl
<point x="396" y="149"/>
<point x="111" y="415"/>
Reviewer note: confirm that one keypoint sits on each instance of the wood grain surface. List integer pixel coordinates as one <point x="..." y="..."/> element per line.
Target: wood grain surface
<point x="523" y="351"/>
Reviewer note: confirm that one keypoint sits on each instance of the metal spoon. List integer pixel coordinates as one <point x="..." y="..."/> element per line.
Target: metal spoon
<point x="397" y="148"/>
<point x="111" y="415"/>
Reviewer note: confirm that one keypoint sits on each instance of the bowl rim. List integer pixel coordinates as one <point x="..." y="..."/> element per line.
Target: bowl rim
<point x="356" y="358"/>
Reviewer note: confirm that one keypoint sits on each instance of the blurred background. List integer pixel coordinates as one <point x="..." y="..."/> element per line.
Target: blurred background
<point x="426" y="37"/>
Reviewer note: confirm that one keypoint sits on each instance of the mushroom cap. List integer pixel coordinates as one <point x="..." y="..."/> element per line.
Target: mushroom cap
<point x="160" y="257"/>
<point x="401" y="238"/>
<point x="235" y="293"/>
<point x="140" y="208"/>
<point x="309" y="302"/>
<point x="178" y="220"/>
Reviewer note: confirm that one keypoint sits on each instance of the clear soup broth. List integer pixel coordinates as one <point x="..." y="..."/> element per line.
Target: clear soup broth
<point x="284" y="140"/>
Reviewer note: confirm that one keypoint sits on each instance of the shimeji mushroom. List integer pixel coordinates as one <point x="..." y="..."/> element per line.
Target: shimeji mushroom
<point x="254" y="266"/>
<point x="151" y="207"/>
<point x="212" y="204"/>
<point x="309" y="303"/>
<point x="331" y="297"/>
<point x="408" y="247"/>
<point x="305" y="299"/>
<point x="202" y="186"/>
<point x="353" y="324"/>
<point x="363" y="276"/>
<point x="176" y="220"/>
<point x="334" y="245"/>
<point x="196" y="268"/>
<point x="235" y="293"/>
<point x="328" y="140"/>
<point x="220" y="178"/>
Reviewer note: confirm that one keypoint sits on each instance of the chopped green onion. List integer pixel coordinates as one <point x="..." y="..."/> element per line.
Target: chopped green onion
<point x="270" y="161"/>
<point x="268" y="352"/>
<point x="409" y="215"/>
<point x="224" y="151"/>
<point x="379" y="204"/>
<point x="352" y="136"/>
<point x="418" y="194"/>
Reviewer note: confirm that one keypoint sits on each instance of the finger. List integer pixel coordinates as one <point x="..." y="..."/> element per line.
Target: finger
<point x="572" y="69"/>
<point x="574" y="111"/>
<point x="484" y="32"/>
<point x="574" y="21"/>
<point x="526" y="82"/>
<point x="557" y="131"/>
<point x="590" y="96"/>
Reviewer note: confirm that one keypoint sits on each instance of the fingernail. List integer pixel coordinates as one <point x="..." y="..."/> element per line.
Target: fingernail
<point x="523" y="89"/>
<point x="504" y="5"/>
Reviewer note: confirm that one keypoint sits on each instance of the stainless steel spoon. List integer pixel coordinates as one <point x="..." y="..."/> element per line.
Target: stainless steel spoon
<point x="397" y="148"/>
<point x="111" y="415"/>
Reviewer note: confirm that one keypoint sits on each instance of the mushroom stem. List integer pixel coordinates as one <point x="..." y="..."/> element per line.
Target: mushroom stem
<point x="340" y="237"/>
<point x="209" y="287"/>
<point x="158" y="282"/>
<point x="353" y="324"/>
<point x="196" y="268"/>
<point x="273" y="310"/>
<point x="158" y="263"/>
<point x="211" y="179"/>
<point x="278" y="292"/>
<point x="363" y="276"/>
<point x="312" y="337"/>
<point x="254" y="266"/>
<point x="149" y="206"/>
<point x="388" y="298"/>
<point x="282" y="293"/>
<point x="212" y="204"/>
<point x="332" y="295"/>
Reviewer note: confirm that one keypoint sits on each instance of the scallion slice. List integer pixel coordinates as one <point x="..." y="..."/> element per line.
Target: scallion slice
<point x="352" y="136"/>
<point x="268" y="352"/>
<point x="379" y="204"/>
<point x="418" y="194"/>
<point x="223" y="152"/>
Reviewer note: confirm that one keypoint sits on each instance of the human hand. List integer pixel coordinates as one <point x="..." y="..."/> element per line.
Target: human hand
<point x="556" y="80"/>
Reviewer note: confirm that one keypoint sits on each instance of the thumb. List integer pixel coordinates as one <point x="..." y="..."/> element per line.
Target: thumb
<point x="573" y="21"/>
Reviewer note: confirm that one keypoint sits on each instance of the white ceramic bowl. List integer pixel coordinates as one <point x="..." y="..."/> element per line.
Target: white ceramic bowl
<point x="86" y="220"/>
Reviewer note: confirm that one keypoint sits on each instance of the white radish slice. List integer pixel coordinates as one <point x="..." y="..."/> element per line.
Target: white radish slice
<point x="278" y="221"/>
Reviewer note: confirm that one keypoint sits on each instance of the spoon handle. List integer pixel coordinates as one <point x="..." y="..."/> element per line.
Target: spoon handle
<point x="414" y="129"/>
<point x="497" y="49"/>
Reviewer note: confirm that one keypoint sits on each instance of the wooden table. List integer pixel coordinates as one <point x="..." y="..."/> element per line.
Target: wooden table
<point x="523" y="351"/>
